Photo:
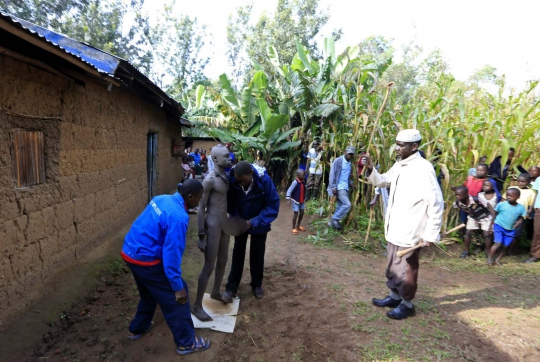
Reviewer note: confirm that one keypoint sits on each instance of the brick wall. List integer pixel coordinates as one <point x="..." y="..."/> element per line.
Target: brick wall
<point x="96" y="178"/>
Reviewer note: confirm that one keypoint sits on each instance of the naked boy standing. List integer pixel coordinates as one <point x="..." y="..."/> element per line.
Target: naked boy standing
<point x="215" y="228"/>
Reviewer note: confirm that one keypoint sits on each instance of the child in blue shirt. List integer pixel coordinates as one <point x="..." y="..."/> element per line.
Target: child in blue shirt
<point x="296" y="195"/>
<point x="508" y="216"/>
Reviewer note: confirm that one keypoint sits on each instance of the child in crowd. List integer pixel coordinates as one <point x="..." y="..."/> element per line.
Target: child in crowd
<point x="534" y="171"/>
<point x="526" y="199"/>
<point x="479" y="215"/>
<point x="188" y="171"/>
<point x="474" y="185"/>
<point x="296" y="194"/>
<point x="508" y="217"/>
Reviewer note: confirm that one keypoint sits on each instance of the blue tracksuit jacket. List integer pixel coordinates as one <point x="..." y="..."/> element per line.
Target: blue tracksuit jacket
<point x="260" y="205"/>
<point x="160" y="233"/>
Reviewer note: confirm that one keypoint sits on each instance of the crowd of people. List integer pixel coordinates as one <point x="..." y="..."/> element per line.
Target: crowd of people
<point x="241" y="200"/>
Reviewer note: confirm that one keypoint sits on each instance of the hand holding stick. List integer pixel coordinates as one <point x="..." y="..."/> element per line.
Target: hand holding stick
<point x="421" y="243"/>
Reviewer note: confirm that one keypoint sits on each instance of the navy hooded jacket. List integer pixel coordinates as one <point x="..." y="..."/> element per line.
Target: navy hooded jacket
<point x="260" y="205"/>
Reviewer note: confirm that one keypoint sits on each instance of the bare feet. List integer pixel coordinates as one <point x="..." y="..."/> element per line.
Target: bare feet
<point x="489" y="261"/>
<point x="498" y="263"/>
<point x="199" y="312"/>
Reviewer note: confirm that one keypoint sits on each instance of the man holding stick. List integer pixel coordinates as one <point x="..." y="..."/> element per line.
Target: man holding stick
<point x="414" y="215"/>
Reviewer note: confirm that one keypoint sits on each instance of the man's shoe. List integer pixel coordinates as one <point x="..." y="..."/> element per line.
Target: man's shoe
<point x="386" y="302"/>
<point x="531" y="260"/>
<point x="334" y="224"/>
<point x="258" y="292"/>
<point x="228" y="296"/>
<point x="402" y="312"/>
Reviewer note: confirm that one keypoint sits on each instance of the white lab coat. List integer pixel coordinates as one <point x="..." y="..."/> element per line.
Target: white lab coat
<point x="415" y="203"/>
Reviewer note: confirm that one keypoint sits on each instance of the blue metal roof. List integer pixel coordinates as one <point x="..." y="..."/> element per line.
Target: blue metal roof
<point x="102" y="61"/>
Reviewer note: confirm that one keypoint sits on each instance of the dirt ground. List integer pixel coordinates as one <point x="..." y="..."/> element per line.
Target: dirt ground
<point x="317" y="307"/>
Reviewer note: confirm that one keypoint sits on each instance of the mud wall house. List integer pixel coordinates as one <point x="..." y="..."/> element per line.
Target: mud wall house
<point x="85" y="140"/>
<point x="205" y="143"/>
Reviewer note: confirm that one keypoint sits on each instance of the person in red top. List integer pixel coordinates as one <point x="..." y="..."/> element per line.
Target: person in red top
<point x="474" y="183"/>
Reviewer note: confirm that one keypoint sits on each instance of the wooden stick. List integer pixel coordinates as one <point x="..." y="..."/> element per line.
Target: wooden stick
<point x="421" y="243"/>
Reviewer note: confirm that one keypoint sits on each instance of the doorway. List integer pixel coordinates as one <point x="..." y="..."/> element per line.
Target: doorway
<point x="151" y="163"/>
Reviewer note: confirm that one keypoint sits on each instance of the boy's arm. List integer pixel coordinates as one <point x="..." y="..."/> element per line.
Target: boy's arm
<point x="208" y="185"/>
<point x="518" y="222"/>
<point x="495" y="213"/>
<point x="291" y="189"/>
<point x="173" y="250"/>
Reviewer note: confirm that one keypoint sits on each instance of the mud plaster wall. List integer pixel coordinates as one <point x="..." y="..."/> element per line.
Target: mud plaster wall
<point x="206" y="145"/>
<point x="96" y="177"/>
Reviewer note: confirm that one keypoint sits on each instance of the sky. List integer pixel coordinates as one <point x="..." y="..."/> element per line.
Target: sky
<point x="470" y="34"/>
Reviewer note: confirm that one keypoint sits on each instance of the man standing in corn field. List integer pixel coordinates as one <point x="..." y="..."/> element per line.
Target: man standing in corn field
<point x="414" y="215"/>
<point x="341" y="180"/>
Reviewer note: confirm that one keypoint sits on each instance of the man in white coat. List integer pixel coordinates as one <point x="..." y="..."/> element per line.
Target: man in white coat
<point x="414" y="215"/>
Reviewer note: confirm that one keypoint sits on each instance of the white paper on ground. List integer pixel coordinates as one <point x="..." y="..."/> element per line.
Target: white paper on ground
<point x="223" y="314"/>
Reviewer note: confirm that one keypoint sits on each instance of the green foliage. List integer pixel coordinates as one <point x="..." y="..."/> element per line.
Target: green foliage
<point x="293" y="20"/>
<point x="169" y="51"/>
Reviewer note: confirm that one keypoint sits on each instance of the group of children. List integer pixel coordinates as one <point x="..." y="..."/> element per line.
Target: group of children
<point x="502" y="217"/>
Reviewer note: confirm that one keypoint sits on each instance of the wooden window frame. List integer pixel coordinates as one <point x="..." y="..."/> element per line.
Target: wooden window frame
<point x="28" y="157"/>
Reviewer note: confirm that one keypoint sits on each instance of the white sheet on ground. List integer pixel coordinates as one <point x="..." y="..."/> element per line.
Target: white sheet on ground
<point x="224" y="315"/>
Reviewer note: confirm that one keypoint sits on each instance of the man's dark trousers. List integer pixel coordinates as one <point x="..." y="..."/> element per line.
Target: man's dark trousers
<point x="256" y="260"/>
<point x="155" y="288"/>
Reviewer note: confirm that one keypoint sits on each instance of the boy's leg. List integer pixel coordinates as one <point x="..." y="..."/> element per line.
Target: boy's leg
<point x="487" y="240"/>
<point x="468" y="234"/>
<point x="501" y="254"/>
<point x="147" y="305"/>
<point x="295" y="216"/>
<point x="508" y="238"/>
<point x="300" y="217"/>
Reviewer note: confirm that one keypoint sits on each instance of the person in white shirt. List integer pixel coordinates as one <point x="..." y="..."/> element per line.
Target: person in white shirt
<point x="315" y="170"/>
<point x="414" y="215"/>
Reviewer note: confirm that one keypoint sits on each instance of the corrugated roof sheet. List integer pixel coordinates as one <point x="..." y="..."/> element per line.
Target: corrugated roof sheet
<point x="102" y="61"/>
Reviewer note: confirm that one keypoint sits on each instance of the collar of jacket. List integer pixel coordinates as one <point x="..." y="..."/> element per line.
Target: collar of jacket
<point x="180" y="200"/>
<point x="255" y="179"/>
<point x="410" y="159"/>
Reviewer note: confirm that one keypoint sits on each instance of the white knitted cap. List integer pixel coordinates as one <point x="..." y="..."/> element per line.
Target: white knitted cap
<point x="408" y="135"/>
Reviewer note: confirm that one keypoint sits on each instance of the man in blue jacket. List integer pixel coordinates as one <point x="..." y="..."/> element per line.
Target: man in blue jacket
<point x="153" y="250"/>
<point x="253" y="197"/>
<point x="341" y="180"/>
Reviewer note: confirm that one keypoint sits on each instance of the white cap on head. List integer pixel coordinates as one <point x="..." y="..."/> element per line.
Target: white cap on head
<point x="408" y="135"/>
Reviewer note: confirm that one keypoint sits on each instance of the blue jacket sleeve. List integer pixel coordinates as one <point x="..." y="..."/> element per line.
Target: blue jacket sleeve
<point x="271" y="205"/>
<point x="173" y="250"/>
<point x="332" y="181"/>
<point x="291" y="189"/>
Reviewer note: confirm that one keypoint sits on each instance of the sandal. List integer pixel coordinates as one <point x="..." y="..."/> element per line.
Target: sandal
<point x="301" y="228"/>
<point x="201" y="344"/>
<point x="464" y="255"/>
<point x="294" y="231"/>
<point x="134" y="337"/>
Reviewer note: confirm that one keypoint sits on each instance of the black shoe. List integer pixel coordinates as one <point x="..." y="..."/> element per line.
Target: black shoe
<point x="402" y="312"/>
<point x="258" y="292"/>
<point x="334" y="224"/>
<point x="531" y="260"/>
<point x="228" y="296"/>
<point x="386" y="302"/>
<point x="464" y="255"/>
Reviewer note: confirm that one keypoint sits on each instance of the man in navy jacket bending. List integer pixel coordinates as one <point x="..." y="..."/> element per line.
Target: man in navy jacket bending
<point x="253" y="197"/>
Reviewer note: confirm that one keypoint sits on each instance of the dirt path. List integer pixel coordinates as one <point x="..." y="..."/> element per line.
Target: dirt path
<point x="316" y="308"/>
